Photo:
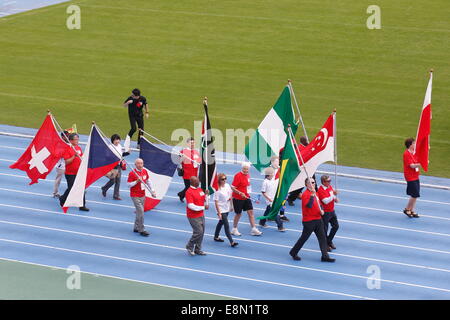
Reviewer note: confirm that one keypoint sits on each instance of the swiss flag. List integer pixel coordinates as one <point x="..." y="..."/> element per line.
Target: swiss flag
<point x="423" y="131"/>
<point x="43" y="153"/>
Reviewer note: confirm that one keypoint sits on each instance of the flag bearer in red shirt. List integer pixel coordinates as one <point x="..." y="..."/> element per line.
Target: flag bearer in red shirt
<point x="411" y="172"/>
<point x="136" y="180"/>
<point x="190" y="161"/>
<point x="195" y="200"/>
<point x="72" y="158"/>
<point x="312" y="222"/>
<point x="328" y="196"/>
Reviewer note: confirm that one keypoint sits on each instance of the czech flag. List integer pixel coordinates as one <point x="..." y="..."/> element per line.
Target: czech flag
<point x="99" y="158"/>
<point x="160" y="168"/>
<point x="423" y="131"/>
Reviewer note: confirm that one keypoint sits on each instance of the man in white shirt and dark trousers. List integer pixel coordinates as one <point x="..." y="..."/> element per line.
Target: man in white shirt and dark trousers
<point x="327" y="196"/>
<point x="268" y="190"/>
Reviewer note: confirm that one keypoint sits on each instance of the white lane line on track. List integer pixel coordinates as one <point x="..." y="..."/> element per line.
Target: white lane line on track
<point x="342" y="220"/>
<point x="246" y="223"/>
<point x="256" y="193"/>
<point x="258" y="209"/>
<point x="121" y="278"/>
<point x="184" y="269"/>
<point x="244" y="240"/>
<point x="221" y="255"/>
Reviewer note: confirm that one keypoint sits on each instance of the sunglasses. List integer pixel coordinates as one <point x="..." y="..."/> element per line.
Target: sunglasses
<point x="223" y="179"/>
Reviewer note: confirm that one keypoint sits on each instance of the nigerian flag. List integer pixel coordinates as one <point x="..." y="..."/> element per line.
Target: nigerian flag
<point x="270" y="136"/>
<point x="289" y="170"/>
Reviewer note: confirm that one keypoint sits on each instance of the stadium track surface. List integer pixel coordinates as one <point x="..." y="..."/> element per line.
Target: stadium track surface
<point x="411" y="254"/>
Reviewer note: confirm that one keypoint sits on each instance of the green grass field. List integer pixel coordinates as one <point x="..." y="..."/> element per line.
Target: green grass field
<point x="239" y="54"/>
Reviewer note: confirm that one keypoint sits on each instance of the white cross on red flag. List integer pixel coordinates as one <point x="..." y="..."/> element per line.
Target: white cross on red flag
<point x="43" y="152"/>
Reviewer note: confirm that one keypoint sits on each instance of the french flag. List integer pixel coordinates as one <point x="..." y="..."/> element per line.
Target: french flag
<point x="99" y="158"/>
<point x="160" y="168"/>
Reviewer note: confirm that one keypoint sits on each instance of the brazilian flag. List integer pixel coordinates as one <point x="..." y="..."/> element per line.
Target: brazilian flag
<point x="289" y="170"/>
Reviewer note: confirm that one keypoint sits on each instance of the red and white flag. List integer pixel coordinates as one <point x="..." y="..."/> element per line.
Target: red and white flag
<point x="43" y="153"/>
<point x="318" y="151"/>
<point x="424" y="129"/>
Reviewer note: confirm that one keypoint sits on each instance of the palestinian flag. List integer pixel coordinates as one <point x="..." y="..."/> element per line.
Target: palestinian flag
<point x="270" y="136"/>
<point x="208" y="171"/>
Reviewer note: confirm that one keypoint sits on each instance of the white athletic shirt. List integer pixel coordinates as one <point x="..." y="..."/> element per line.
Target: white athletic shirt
<point x="223" y="196"/>
<point x="269" y="187"/>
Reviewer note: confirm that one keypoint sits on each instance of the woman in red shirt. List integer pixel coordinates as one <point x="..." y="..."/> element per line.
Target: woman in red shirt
<point x="411" y="172"/>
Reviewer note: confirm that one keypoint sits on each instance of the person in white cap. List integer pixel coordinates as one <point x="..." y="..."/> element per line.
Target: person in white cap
<point x="241" y="199"/>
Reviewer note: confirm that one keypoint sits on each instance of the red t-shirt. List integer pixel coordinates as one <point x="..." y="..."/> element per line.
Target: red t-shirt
<point x="326" y="193"/>
<point x="138" y="190"/>
<point x="190" y="168"/>
<point x="73" y="167"/>
<point x="197" y="197"/>
<point x="242" y="183"/>
<point x="410" y="174"/>
<point x="312" y="213"/>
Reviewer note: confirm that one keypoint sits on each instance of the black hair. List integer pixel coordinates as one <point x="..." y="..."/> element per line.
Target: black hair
<point x="64" y="134"/>
<point x="115" y="136"/>
<point x="136" y="92"/>
<point x="409" y="142"/>
<point x="73" y="135"/>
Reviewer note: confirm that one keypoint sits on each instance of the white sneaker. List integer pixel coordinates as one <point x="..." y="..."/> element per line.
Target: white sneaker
<point x="235" y="232"/>
<point x="255" y="232"/>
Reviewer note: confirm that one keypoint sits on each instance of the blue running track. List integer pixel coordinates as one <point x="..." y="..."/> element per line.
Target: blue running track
<point x="412" y="255"/>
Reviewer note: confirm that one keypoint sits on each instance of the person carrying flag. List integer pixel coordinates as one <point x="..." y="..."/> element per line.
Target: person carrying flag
<point x="411" y="173"/>
<point x="60" y="168"/>
<point x="135" y="104"/>
<point x="136" y="180"/>
<point x="328" y="196"/>
<point x="190" y="160"/>
<point x="312" y="222"/>
<point x="72" y="158"/>
<point x="268" y="190"/>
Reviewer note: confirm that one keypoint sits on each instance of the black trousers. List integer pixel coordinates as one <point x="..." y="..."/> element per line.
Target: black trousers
<point x="139" y="119"/>
<point x="70" y="178"/>
<point x="330" y="218"/>
<point x="223" y="222"/>
<point x="262" y="222"/>
<point x="187" y="184"/>
<point x="309" y="227"/>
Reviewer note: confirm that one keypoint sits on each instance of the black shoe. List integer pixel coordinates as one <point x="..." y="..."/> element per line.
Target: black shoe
<point x="327" y="259"/>
<point x="103" y="192"/>
<point x="284" y="218"/>
<point x="125" y="154"/>
<point x="234" y="244"/>
<point x="332" y="246"/>
<point x="414" y="215"/>
<point x="200" y="253"/>
<point x="135" y="230"/>
<point x="218" y="239"/>
<point x="190" y="251"/>
<point x="295" y="257"/>
<point x="290" y="202"/>
<point x="144" y="233"/>
<point x="408" y="213"/>
<point x="181" y="198"/>
<point x="83" y="209"/>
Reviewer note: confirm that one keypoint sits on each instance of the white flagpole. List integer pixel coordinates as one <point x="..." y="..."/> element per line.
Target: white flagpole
<point x="291" y="89"/>
<point x="205" y="128"/>
<point x="291" y="135"/>
<point x="335" y="149"/>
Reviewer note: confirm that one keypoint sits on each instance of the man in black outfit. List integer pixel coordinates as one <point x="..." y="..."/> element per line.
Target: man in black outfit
<point x="136" y="103"/>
